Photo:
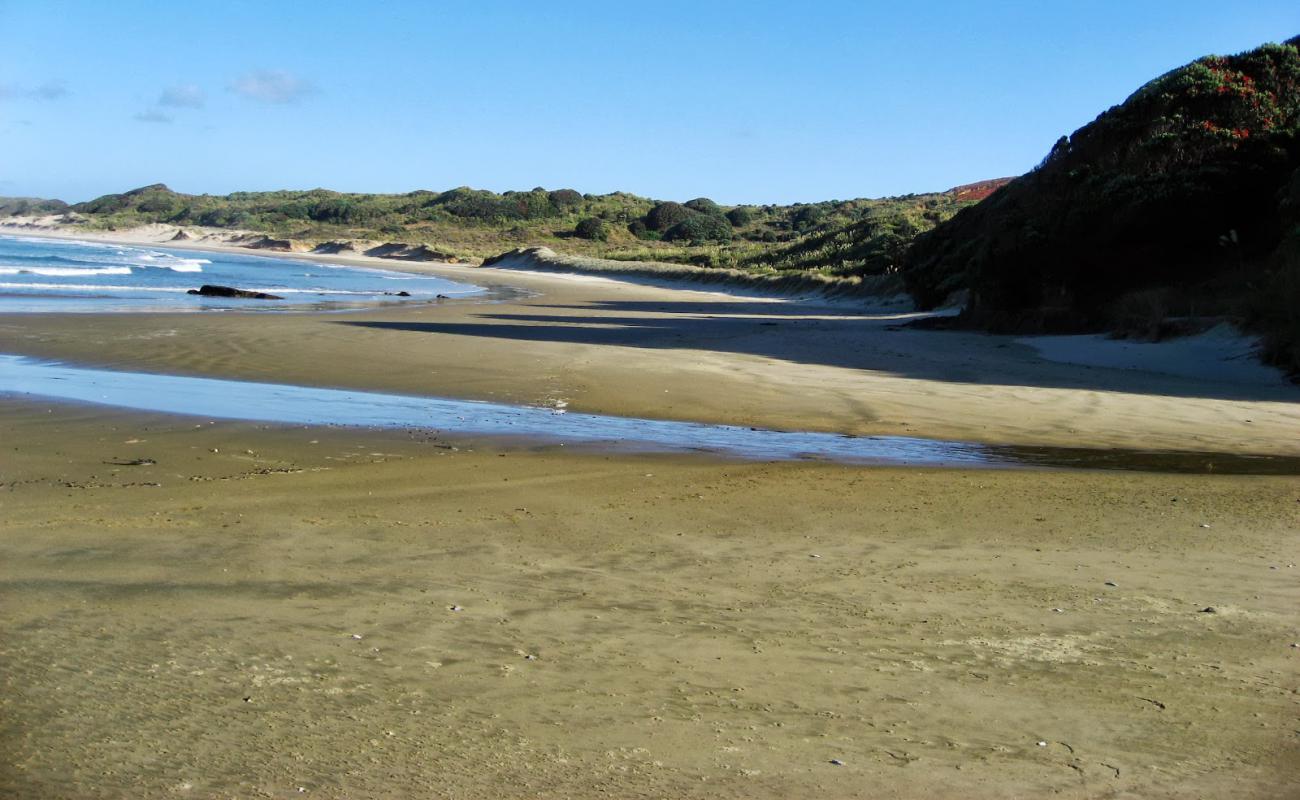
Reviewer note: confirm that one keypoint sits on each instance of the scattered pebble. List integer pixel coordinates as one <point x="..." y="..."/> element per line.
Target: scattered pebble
<point x="455" y="608"/>
<point x="1042" y="744"/>
<point x="530" y="657"/>
<point x="356" y="636"/>
<point x="814" y="555"/>
<point x="837" y="762"/>
<point x="1059" y="610"/>
<point x="1111" y="583"/>
<point x="1209" y="610"/>
<point x="1205" y="524"/>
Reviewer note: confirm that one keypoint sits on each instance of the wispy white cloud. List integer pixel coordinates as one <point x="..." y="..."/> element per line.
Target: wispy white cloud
<point x="153" y="116"/>
<point x="272" y="86"/>
<point x="185" y="95"/>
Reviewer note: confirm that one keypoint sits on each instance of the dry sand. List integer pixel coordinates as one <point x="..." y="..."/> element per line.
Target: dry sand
<point x="638" y="626"/>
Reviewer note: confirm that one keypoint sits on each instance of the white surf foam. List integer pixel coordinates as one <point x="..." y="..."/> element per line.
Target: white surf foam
<point x="64" y="272"/>
<point x="86" y="287"/>
<point x="173" y="263"/>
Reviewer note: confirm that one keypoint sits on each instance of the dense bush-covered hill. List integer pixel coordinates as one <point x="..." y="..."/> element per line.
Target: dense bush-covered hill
<point x="30" y="206"/>
<point x="1179" y="202"/>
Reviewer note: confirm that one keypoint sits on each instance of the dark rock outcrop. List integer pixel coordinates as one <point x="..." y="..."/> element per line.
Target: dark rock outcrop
<point x="209" y="290"/>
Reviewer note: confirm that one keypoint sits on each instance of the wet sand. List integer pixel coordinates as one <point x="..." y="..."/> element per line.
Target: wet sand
<point x="536" y="622"/>
<point x="699" y="628"/>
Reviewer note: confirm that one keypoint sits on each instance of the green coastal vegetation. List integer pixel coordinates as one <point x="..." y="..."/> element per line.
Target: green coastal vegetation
<point x="475" y="224"/>
<point x="1172" y="211"/>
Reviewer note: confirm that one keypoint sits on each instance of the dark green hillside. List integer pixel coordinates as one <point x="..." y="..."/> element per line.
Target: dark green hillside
<point x="876" y="242"/>
<point x="1170" y="205"/>
<point x="1274" y="304"/>
<point x="30" y="206"/>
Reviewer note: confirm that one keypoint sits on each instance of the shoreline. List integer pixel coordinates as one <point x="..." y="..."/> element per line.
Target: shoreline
<point x="609" y="347"/>
<point x="501" y="277"/>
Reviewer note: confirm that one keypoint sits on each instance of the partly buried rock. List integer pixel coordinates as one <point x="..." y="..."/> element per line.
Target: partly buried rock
<point x="208" y="290"/>
<point x="261" y="242"/>
<point x="340" y="246"/>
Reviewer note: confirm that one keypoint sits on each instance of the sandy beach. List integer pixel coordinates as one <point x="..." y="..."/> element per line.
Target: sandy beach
<point x="628" y="349"/>
<point x="259" y="610"/>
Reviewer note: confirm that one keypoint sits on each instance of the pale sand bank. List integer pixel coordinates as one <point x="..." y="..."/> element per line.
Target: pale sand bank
<point x="1221" y="354"/>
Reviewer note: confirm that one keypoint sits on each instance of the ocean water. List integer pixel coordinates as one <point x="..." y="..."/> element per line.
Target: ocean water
<point x="63" y="275"/>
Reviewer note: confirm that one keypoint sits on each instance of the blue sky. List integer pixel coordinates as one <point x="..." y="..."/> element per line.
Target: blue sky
<point x="739" y="101"/>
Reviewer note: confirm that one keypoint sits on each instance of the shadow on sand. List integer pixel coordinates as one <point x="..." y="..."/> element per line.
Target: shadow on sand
<point x="827" y="336"/>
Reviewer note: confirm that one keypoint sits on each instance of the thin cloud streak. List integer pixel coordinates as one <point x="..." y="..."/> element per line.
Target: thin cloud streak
<point x="277" y="87"/>
<point x="185" y="95"/>
<point x="156" y="117"/>
<point x="49" y="90"/>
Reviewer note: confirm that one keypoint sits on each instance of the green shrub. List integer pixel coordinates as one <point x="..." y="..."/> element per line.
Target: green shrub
<point x="565" y="199"/>
<point x="665" y="215"/>
<point x="806" y="217"/>
<point x="705" y="206"/>
<point x="700" y="228"/>
<point x="532" y="205"/>
<point x="593" y="229"/>
<point x="740" y="216"/>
